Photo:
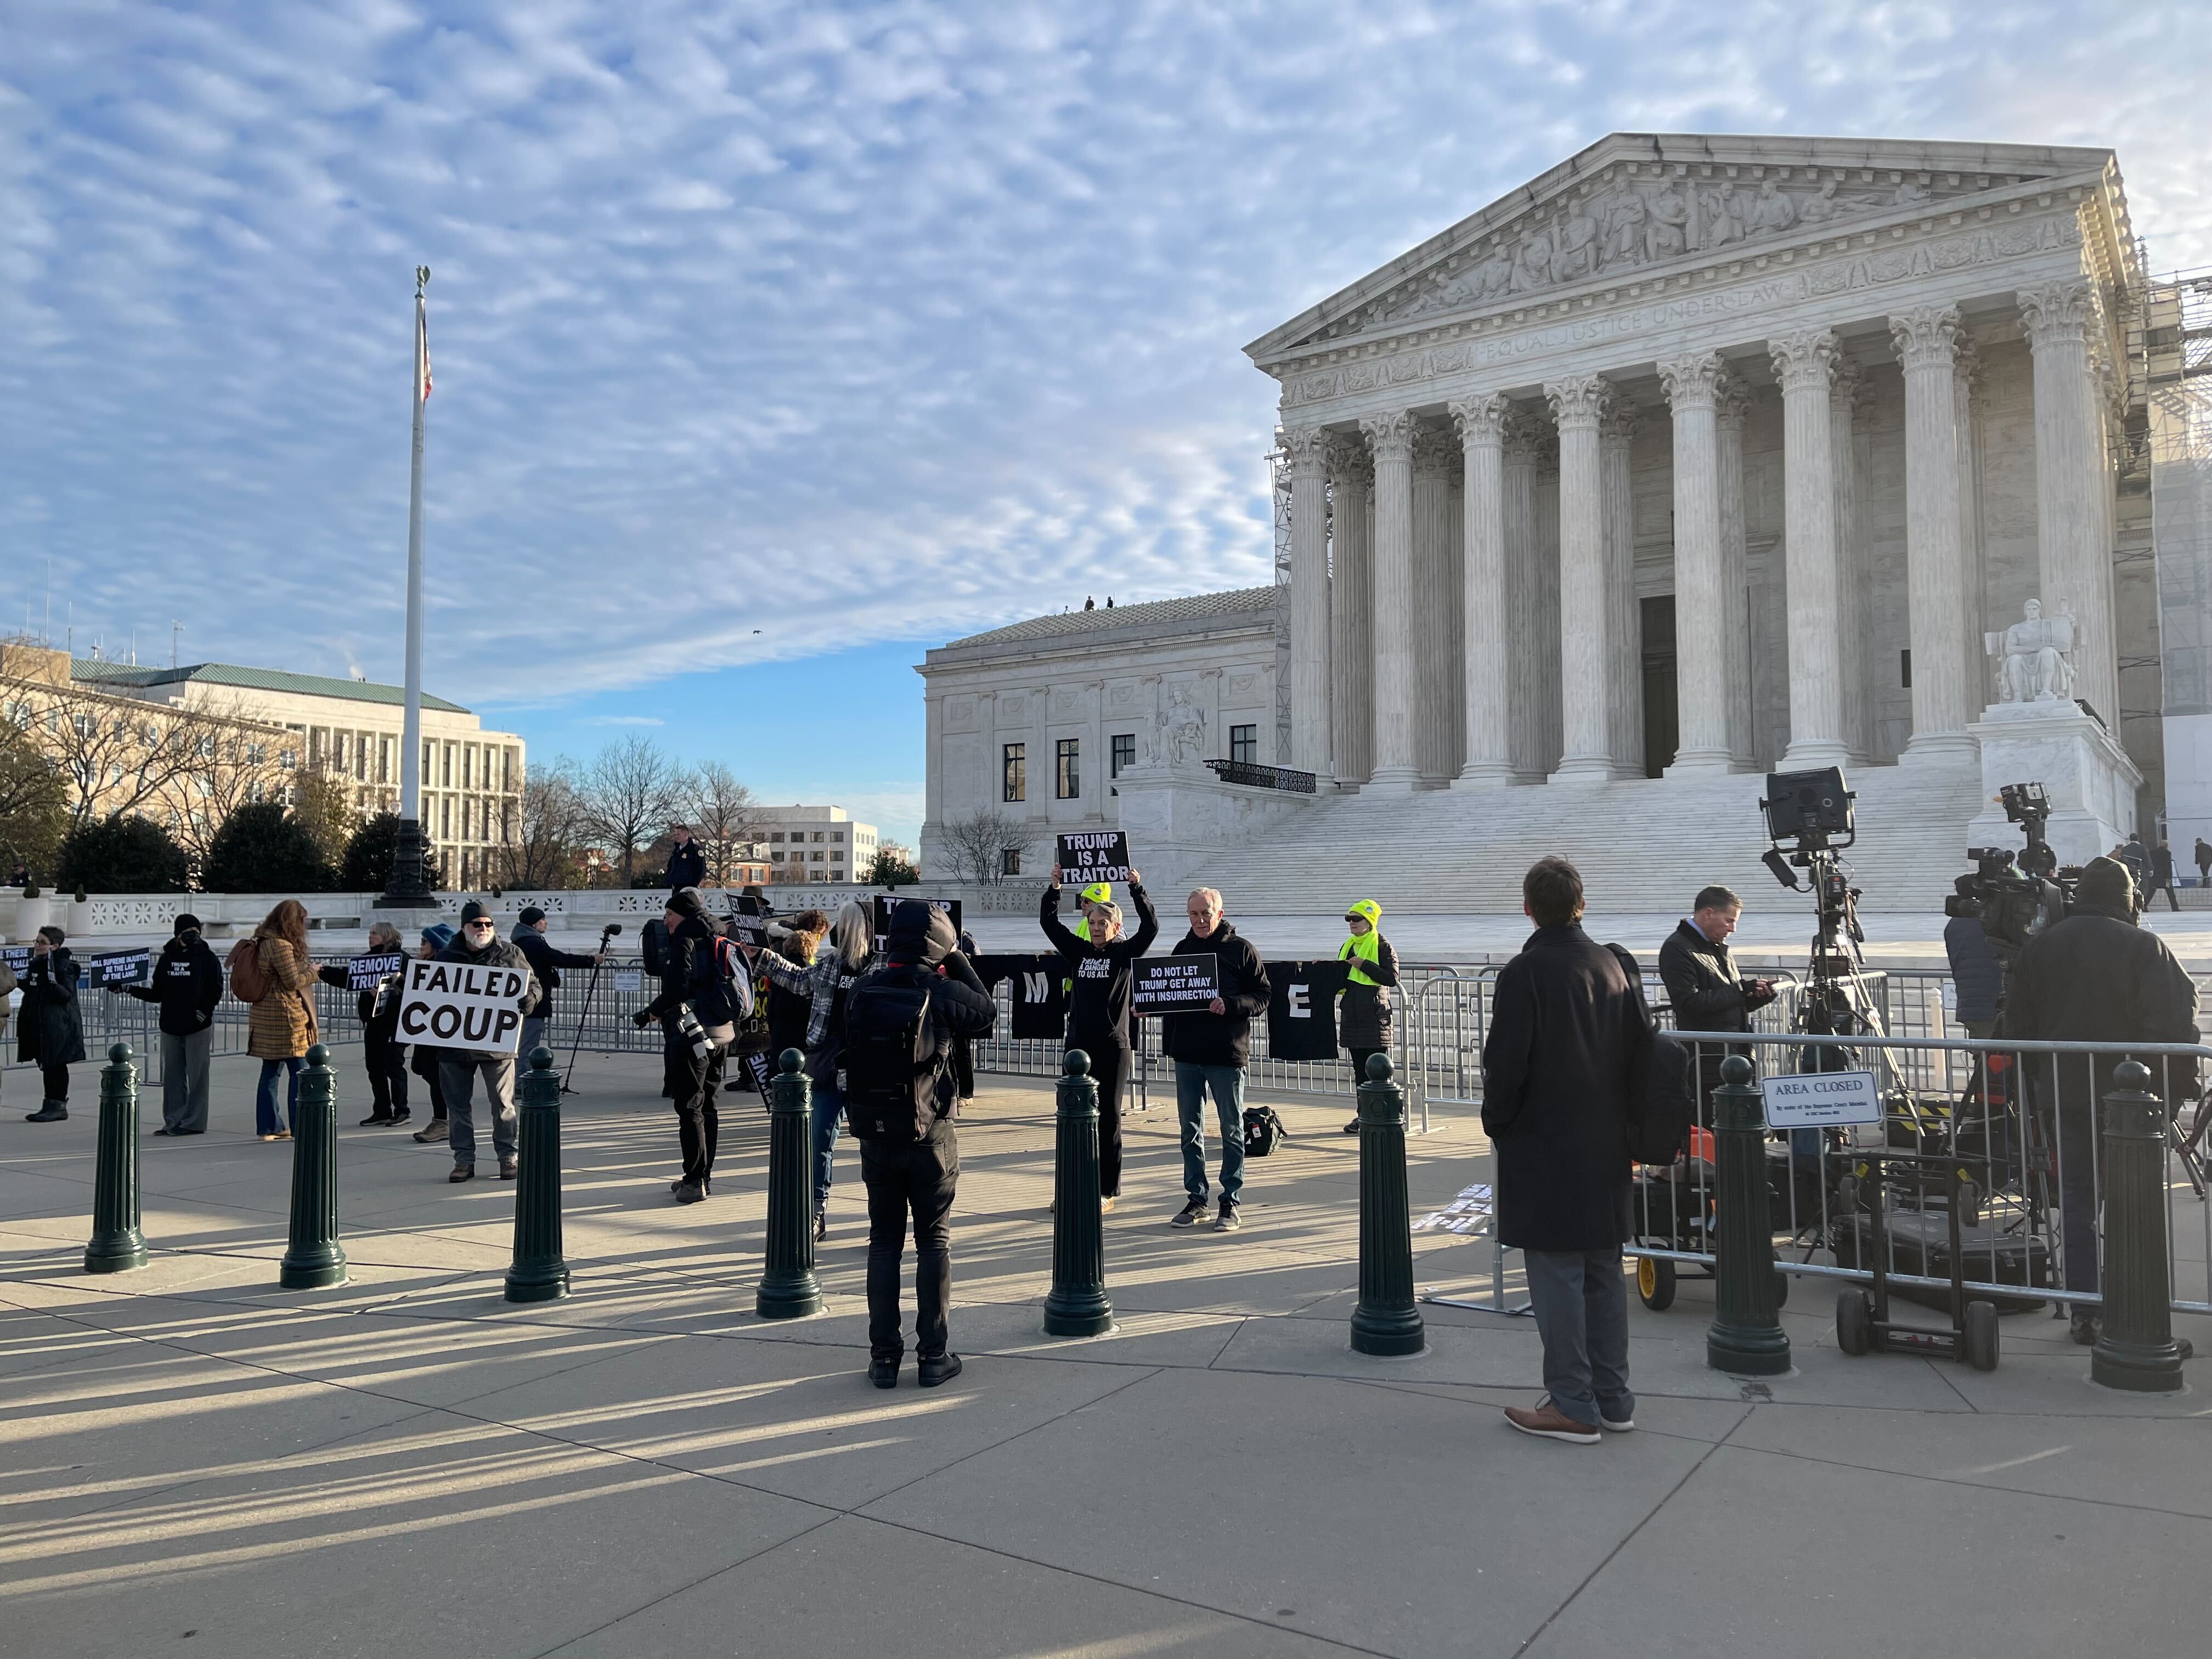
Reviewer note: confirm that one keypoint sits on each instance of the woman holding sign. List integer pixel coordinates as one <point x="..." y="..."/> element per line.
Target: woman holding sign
<point x="1371" y="969"/>
<point x="1099" y="1007"/>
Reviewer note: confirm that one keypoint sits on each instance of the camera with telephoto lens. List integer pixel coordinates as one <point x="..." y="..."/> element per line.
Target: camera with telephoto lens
<point x="2016" y="896"/>
<point x="691" y="1031"/>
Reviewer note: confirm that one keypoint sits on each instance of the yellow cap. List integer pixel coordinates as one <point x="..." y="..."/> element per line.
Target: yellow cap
<point x="1099" y="892"/>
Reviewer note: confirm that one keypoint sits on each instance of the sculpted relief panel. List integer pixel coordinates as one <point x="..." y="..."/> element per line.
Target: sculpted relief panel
<point x="1809" y="277"/>
<point x="1629" y="221"/>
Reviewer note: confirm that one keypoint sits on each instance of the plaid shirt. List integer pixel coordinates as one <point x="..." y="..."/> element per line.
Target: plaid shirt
<point x="821" y="982"/>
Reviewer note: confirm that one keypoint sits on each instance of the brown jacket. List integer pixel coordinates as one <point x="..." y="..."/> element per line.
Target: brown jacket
<point x="283" y="1024"/>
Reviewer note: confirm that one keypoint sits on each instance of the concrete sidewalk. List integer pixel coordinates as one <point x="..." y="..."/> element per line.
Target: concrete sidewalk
<point x="404" y="1465"/>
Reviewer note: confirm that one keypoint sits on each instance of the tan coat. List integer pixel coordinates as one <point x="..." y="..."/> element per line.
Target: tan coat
<point x="283" y="1024"/>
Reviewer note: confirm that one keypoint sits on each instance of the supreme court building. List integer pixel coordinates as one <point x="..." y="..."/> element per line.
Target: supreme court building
<point x="1699" y="456"/>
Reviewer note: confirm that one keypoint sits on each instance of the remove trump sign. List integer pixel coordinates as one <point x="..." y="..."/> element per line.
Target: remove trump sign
<point x="456" y="1005"/>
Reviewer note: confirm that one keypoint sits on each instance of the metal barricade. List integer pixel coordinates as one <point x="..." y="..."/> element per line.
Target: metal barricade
<point x="2016" y="1122"/>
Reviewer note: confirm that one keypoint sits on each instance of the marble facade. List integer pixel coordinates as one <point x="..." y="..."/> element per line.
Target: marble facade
<point x="1846" y="404"/>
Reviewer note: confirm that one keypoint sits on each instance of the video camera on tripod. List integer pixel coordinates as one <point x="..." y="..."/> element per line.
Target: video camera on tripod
<point x="1809" y="824"/>
<point x="2017" y="895"/>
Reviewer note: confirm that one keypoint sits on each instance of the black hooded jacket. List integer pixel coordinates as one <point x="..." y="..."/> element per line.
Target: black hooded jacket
<point x="1099" y="974"/>
<point x="1209" y="1039"/>
<point x="2097" y="977"/>
<point x="187" y="986"/>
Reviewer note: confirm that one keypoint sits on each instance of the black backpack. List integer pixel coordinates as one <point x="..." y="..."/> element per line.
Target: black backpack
<point x="892" y="1059"/>
<point x="1660" y="1096"/>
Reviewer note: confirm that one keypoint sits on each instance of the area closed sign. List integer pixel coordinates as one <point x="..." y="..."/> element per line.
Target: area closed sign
<point x="1820" y="1100"/>
<point x="457" y="1004"/>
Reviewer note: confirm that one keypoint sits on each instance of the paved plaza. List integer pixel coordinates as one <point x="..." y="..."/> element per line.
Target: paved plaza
<point x="194" y="1462"/>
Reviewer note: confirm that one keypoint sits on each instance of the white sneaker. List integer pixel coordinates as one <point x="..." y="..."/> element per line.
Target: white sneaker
<point x="1624" y="1426"/>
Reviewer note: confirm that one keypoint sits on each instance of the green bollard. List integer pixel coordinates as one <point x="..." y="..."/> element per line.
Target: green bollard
<point x="1384" y="1322"/>
<point x="1746" y="1337"/>
<point x="1077" y="1304"/>
<point x="538" y="1272"/>
<point x="116" y="1246"/>
<point x="2135" y="1349"/>
<point x="314" y="1258"/>
<point x="788" y="1289"/>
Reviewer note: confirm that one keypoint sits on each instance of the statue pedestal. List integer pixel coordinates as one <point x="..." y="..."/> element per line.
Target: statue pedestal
<point x="2090" y="780"/>
<point x="1179" y="817"/>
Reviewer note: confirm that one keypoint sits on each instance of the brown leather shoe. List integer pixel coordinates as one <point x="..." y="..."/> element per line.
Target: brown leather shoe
<point x="1552" y="1423"/>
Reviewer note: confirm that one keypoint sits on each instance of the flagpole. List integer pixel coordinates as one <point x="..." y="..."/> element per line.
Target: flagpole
<point x="408" y="887"/>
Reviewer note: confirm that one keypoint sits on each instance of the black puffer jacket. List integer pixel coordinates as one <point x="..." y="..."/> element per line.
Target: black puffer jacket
<point x="51" y="1031"/>
<point x="2097" y="977"/>
<point x="187" y="986"/>
<point x="1363" y="1014"/>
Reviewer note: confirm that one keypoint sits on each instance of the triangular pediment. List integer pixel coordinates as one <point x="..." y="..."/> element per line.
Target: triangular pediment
<point x="1637" y="203"/>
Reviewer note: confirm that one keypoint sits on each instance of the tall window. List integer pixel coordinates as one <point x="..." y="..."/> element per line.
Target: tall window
<point x="1125" y="751"/>
<point x="1067" y="771"/>
<point x="1244" y="743"/>
<point x="1010" y="861"/>
<point x="1014" y="773"/>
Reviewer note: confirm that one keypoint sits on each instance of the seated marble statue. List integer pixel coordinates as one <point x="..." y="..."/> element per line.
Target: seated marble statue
<point x="2035" y="656"/>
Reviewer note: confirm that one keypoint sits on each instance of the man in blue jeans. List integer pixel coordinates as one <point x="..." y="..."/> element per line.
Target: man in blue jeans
<point x="1211" y="1050"/>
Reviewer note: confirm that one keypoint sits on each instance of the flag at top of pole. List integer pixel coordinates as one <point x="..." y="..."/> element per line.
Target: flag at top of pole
<point x="421" y="343"/>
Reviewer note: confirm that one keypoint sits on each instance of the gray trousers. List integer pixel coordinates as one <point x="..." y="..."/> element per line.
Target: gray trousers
<point x="1581" y="1302"/>
<point x="185" y="1081"/>
<point x="456" y="1078"/>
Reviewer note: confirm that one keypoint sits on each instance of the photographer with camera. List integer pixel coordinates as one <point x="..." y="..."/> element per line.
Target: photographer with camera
<point x="698" y="1010"/>
<point x="2095" y="977"/>
<point x="1703" y="985"/>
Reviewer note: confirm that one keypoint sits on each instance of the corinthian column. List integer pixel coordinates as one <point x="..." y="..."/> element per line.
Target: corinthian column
<point x="1481" y="424"/>
<point x="1731" y="405"/>
<point x="1436" y="599"/>
<point x="1974" y="602"/>
<point x="1616" y="432"/>
<point x="1926" y="340"/>
<point x="1584" y="656"/>
<point x="2069" y="483"/>
<point x="1529" y="645"/>
<point x="1391" y="438"/>
<point x="1351" y="610"/>
<point x="1805" y="365"/>
<point x="1306" y="461"/>
<point x="1701" y="607"/>
<point x="1854" y="584"/>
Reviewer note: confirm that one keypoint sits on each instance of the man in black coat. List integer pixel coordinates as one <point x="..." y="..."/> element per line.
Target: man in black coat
<point x="2095" y="977"/>
<point x="187" y="988"/>
<point x="1211" y="1050"/>
<point x="1568" y="1050"/>
<point x="2161" y="871"/>
<point x="1703" y="985"/>
<point x="2203" y="862"/>
<point x="546" y="963"/>
<point x="918" y="1177"/>
<point x="687" y="865"/>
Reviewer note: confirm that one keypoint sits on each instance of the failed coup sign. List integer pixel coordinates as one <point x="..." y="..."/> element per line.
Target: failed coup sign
<point x="457" y="1004"/>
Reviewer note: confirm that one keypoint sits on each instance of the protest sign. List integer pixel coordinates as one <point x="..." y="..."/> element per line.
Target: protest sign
<point x="752" y="929"/>
<point x="1175" y="985"/>
<point x="15" y="958"/>
<point x="1094" y="855"/>
<point x="365" y="973"/>
<point x="458" y="1005"/>
<point x="1820" y="1100"/>
<point x="117" y="968"/>
<point x="886" y="902"/>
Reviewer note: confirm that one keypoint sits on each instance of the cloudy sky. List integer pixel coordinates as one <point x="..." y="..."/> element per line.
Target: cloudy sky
<point x="775" y="342"/>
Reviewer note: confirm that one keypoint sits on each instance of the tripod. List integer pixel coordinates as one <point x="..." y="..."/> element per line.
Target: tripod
<point x="585" y="1012"/>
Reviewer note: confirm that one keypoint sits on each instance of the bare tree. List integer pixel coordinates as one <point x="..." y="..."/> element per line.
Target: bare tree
<point x="725" y="817"/>
<point x="115" y="754"/>
<point x="552" y="829"/>
<point x="978" y="844"/>
<point x="631" y="791"/>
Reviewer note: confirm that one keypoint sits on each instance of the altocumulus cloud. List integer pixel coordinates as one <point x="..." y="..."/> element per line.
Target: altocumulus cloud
<point x="888" y="321"/>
